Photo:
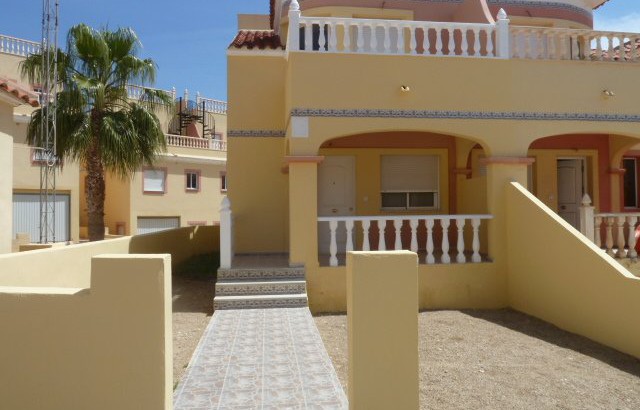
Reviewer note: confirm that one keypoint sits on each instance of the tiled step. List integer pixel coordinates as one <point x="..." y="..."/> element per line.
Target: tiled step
<point x="269" y="287"/>
<point x="259" y="301"/>
<point x="260" y="274"/>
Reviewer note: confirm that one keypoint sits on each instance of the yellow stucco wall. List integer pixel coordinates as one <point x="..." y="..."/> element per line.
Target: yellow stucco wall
<point x="588" y="293"/>
<point x="10" y="66"/>
<point x="106" y="346"/>
<point x="6" y="170"/>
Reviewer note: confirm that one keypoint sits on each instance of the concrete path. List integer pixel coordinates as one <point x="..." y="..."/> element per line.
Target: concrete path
<point x="260" y="359"/>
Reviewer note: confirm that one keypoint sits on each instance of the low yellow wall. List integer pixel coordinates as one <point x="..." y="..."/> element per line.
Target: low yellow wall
<point x="556" y="274"/>
<point x="108" y="346"/>
<point x="70" y="266"/>
<point x="454" y="286"/>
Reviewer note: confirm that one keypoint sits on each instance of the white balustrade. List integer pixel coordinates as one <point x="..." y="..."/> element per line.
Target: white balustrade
<point x="195" y="142"/>
<point x="373" y="36"/>
<point x="572" y="44"/>
<point x="437" y="228"/>
<point x="18" y="46"/>
<point x="612" y="232"/>
<point x="134" y="92"/>
<point x="211" y="105"/>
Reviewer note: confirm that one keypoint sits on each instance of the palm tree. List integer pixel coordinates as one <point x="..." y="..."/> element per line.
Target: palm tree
<point x="96" y="123"/>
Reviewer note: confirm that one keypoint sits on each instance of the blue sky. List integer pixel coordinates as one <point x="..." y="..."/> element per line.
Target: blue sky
<point x="188" y="38"/>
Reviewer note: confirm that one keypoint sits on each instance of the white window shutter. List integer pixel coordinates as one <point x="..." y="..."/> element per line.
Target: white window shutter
<point x="154" y="180"/>
<point x="409" y="173"/>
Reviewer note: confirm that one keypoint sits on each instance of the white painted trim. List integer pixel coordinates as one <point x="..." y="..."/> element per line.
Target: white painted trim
<point x="194" y="159"/>
<point x="255" y="52"/>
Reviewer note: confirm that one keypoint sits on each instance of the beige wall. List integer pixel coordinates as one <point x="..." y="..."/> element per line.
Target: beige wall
<point x="6" y="170"/>
<point x="69" y="266"/>
<point x="572" y="283"/>
<point x="106" y="346"/>
<point x="10" y="66"/>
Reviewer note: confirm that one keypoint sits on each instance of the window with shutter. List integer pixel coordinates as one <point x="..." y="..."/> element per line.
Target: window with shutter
<point x="154" y="180"/>
<point x="409" y="181"/>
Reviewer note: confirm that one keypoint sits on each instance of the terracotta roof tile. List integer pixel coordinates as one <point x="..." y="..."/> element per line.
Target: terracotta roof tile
<point x="602" y="2"/>
<point x="19" y="91"/>
<point x="627" y="49"/>
<point x="261" y="39"/>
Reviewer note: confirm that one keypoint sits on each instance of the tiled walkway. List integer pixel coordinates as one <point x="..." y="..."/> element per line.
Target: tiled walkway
<point x="260" y="359"/>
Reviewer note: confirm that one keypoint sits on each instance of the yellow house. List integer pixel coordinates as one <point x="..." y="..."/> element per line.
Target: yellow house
<point x="184" y="188"/>
<point x="414" y="125"/>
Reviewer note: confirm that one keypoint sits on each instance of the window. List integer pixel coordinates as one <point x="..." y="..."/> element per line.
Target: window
<point x="223" y="181"/>
<point x="630" y="182"/>
<point x="409" y="181"/>
<point x="192" y="180"/>
<point x="154" y="181"/>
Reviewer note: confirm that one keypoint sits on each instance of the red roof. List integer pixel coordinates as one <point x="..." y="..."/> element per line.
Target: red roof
<point x="19" y="91"/>
<point x="601" y="4"/>
<point x="261" y="39"/>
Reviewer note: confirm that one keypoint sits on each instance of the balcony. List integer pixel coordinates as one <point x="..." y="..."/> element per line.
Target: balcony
<point x="498" y="40"/>
<point x="196" y="143"/>
<point x="17" y="46"/>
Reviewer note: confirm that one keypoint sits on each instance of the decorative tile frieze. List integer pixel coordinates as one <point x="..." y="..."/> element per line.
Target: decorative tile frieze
<point x="465" y="115"/>
<point x="256" y="133"/>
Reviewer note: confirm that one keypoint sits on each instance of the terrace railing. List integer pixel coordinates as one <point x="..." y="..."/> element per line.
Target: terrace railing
<point x="438" y="230"/>
<point x="17" y="46"/>
<point x="135" y="91"/>
<point x="195" y="142"/>
<point x="211" y="105"/>
<point x="542" y="43"/>
<point x="615" y="233"/>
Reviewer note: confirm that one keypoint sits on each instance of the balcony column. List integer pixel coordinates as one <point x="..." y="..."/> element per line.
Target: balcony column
<point x="616" y="176"/>
<point x="500" y="172"/>
<point x="303" y="209"/>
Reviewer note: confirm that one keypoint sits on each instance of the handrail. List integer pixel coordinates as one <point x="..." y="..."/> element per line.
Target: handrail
<point x="17" y="46"/>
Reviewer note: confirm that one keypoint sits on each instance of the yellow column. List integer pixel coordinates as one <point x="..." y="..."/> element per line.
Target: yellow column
<point x="6" y="189"/>
<point x="616" y="178"/>
<point x="500" y="172"/>
<point x="303" y="209"/>
<point x="382" y="314"/>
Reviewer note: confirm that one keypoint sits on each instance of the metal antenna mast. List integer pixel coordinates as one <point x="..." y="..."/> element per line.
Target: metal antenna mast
<point x="48" y="104"/>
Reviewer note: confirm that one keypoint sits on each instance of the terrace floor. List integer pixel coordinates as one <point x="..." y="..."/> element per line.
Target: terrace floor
<point x="502" y="359"/>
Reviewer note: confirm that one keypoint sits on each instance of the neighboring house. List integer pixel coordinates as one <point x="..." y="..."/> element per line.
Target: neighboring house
<point x="184" y="188"/>
<point x="27" y="160"/>
<point x="356" y="125"/>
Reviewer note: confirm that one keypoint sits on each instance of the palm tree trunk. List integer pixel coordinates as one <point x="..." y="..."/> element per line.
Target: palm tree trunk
<point x="95" y="193"/>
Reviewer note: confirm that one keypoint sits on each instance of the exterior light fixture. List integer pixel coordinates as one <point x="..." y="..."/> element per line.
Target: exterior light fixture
<point x="608" y="93"/>
<point x="405" y="88"/>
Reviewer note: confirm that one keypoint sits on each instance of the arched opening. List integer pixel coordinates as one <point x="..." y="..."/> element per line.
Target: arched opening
<point x="400" y="181"/>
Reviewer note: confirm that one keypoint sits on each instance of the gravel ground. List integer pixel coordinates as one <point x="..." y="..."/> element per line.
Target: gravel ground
<point x="502" y="359"/>
<point x="192" y="309"/>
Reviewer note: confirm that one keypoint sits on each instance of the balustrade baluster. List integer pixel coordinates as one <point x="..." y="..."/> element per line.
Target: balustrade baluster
<point x="445" y="240"/>
<point x="400" y="48"/>
<point x="439" y="45"/>
<point x="631" y="241"/>
<point x="430" y="259"/>
<point x="489" y="46"/>
<point x="387" y="39"/>
<point x="381" y="240"/>
<point x="413" y="223"/>
<point x="464" y="42"/>
<point x="620" y="223"/>
<point x="373" y="40"/>
<point x="476" y="42"/>
<point x="413" y="44"/>
<point x="539" y="45"/>
<point x="528" y="38"/>
<point x="475" y="244"/>
<point x="308" y="36"/>
<point x="425" y="41"/>
<point x="460" y="258"/>
<point x="346" y="41"/>
<point x="610" y="49"/>
<point x="359" y="39"/>
<point x="397" y="224"/>
<point x="349" y="227"/>
<point x="365" y="234"/>
<point x="515" y="44"/>
<point x="609" y="241"/>
<point x="597" y="231"/>
<point x="333" y="245"/>
<point x="553" y="45"/>
<point x="599" y="47"/>
<point x="322" y="37"/>
<point x="634" y="48"/>
<point x="452" y="42"/>
<point x="333" y="41"/>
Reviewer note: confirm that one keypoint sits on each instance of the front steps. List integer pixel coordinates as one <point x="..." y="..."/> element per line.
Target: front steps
<point x="256" y="288"/>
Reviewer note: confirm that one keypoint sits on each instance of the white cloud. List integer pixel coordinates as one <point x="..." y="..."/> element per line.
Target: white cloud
<point x="629" y="23"/>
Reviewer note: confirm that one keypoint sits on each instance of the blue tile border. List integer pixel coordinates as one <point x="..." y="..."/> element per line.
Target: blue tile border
<point x="464" y="115"/>
<point x="256" y="133"/>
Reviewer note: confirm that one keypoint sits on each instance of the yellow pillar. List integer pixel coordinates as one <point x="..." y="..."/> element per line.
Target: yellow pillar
<point x="500" y="172"/>
<point x="303" y="210"/>
<point x="6" y="189"/>
<point x="382" y="315"/>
